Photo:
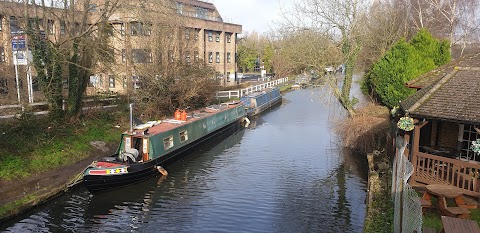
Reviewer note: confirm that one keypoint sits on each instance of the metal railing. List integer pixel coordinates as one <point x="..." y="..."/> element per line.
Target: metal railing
<point x="246" y="91"/>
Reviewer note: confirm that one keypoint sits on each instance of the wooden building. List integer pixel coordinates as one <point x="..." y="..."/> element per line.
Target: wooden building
<point x="446" y="112"/>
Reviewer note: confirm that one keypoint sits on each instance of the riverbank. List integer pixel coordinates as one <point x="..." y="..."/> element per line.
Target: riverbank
<point x="367" y="132"/>
<point x="39" y="159"/>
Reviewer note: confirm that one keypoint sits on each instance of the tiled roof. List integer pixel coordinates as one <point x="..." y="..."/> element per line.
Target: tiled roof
<point x="455" y="96"/>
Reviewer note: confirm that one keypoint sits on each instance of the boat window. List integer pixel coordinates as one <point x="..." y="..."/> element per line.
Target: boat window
<point x="128" y="143"/>
<point x="183" y="136"/>
<point x="168" y="142"/>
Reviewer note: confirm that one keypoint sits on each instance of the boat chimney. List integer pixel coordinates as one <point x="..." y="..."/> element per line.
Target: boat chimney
<point x="131" y="117"/>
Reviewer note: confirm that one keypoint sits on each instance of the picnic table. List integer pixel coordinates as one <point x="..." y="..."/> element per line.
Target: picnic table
<point x="458" y="225"/>
<point x="442" y="192"/>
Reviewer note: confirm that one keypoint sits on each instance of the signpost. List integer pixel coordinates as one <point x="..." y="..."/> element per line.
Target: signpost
<point x="21" y="55"/>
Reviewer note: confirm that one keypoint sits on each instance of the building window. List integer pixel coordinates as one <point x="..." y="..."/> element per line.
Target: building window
<point x="62" y="27"/>
<point x="229" y="57"/>
<point x="210" y="36"/>
<point x="142" y="55"/>
<point x="3" y="86"/>
<point x="135" y="28"/>
<point x="183" y="136"/>
<point x="92" y="7"/>
<point x="122" y="29"/>
<point x="187" y="56"/>
<point x="195" y="36"/>
<point x="140" y="29"/>
<point x="50" y="27"/>
<point x="179" y="8"/>
<point x="125" y="81"/>
<point x="469" y="135"/>
<point x="217" y="37"/>
<point x="201" y="13"/>
<point x="218" y="57"/>
<point x="171" y="57"/>
<point x="210" y="57"/>
<point x="229" y="38"/>
<point x="14" y="27"/>
<point x="147" y="29"/>
<point x="136" y="82"/>
<point x="195" y="56"/>
<point x="124" y="55"/>
<point x="2" y="54"/>
<point x="187" y="34"/>
<point x="1" y="22"/>
<point x="168" y="142"/>
<point x="111" y="81"/>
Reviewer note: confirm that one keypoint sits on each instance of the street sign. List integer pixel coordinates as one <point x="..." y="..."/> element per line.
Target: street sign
<point x="21" y="58"/>
<point x="18" y="42"/>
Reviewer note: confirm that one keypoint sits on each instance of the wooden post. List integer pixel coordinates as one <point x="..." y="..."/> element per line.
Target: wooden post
<point x="416" y="148"/>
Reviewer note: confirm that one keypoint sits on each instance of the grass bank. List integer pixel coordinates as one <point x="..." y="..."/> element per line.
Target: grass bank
<point x="32" y="145"/>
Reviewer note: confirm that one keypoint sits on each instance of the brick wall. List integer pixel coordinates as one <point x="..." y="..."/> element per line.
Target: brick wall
<point x="448" y="135"/>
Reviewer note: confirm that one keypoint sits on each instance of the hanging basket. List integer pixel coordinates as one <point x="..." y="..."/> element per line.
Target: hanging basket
<point x="476" y="146"/>
<point x="406" y="123"/>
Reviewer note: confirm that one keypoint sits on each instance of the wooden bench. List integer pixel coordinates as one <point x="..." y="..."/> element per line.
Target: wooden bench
<point x="457" y="225"/>
<point x="468" y="203"/>
<point x="455" y="211"/>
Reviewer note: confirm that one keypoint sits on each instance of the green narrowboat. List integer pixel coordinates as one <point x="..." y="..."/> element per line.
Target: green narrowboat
<point x="143" y="150"/>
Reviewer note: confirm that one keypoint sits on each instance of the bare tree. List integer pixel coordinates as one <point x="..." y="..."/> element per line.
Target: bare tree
<point x="305" y="50"/>
<point x="453" y="19"/>
<point x="165" y="59"/>
<point x="384" y="25"/>
<point x="342" y="20"/>
<point x="66" y="38"/>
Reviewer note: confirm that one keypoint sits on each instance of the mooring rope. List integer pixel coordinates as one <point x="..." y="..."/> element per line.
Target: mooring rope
<point x="78" y="178"/>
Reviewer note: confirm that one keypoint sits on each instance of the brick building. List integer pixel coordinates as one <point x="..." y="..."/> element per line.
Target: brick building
<point x="195" y="31"/>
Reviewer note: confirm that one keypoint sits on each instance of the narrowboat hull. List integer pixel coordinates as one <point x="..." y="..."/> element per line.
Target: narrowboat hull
<point x="264" y="107"/>
<point x="142" y="171"/>
<point x="258" y="102"/>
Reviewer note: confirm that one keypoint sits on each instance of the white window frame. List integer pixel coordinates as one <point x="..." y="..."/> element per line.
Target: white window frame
<point x="168" y="142"/>
<point x="183" y="135"/>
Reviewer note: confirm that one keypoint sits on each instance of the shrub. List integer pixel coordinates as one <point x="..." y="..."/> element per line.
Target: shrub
<point x="402" y="63"/>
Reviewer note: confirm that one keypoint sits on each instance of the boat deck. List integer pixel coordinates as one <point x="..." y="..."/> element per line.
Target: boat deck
<point x="156" y="127"/>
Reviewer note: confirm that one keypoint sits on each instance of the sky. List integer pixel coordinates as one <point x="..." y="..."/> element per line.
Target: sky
<point x="253" y="15"/>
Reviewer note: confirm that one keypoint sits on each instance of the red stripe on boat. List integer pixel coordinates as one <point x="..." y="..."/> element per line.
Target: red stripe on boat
<point x="107" y="164"/>
<point x="97" y="172"/>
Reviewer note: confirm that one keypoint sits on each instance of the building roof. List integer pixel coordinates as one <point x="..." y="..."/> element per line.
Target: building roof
<point x="202" y="4"/>
<point x="453" y="93"/>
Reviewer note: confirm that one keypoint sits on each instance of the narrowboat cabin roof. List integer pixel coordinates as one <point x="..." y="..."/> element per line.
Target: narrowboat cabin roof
<point x="156" y="127"/>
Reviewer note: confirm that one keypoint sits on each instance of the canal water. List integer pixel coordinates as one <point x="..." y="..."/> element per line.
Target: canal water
<point x="285" y="173"/>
